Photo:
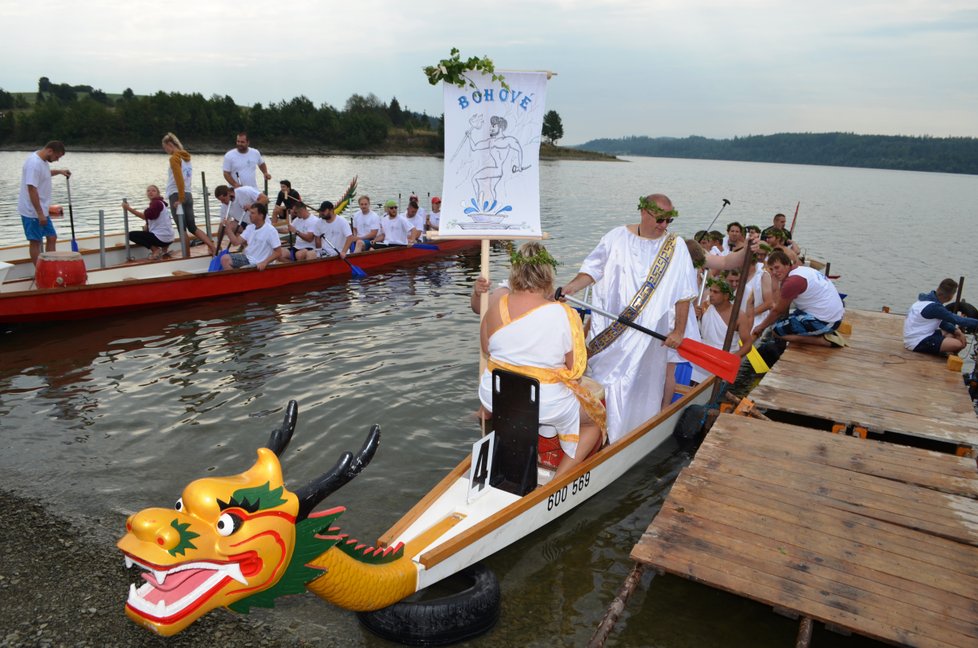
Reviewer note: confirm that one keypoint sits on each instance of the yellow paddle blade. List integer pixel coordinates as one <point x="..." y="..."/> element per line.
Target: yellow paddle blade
<point x="756" y="361"/>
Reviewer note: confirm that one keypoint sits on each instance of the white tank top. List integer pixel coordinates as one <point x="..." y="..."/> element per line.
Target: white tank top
<point x="820" y="299"/>
<point x="916" y="327"/>
<point x="162" y="225"/>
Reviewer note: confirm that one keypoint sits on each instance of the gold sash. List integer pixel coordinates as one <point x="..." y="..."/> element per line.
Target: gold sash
<point x="569" y="377"/>
<point x="660" y="264"/>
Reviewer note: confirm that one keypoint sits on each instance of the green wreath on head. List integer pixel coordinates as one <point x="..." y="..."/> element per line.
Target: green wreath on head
<point x="543" y="257"/>
<point x="655" y="210"/>
<point x="722" y="284"/>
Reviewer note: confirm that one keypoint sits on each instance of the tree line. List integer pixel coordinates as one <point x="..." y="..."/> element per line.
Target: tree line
<point x="84" y="115"/>
<point x="942" y="154"/>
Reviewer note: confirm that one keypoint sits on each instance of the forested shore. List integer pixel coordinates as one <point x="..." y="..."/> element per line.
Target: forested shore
<point x="942" y="154"/>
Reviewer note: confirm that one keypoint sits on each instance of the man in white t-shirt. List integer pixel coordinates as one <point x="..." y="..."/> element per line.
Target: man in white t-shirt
<point x="414" y="216"/>
<point x="303" y="226"/>
<point x="434" y="216"/>
<point x="35" y="197"/>
<point x="394" y="228"/>
<point x="366" y="225"/>
<point x="421" y="210"/>
<point x="236" y="201"/>
<point x="260" y="240"/>
<point x="333" y="233"/>
<point x="241" y="161"/>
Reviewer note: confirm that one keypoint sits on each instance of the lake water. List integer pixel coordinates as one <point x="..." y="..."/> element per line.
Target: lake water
<point x="106" y="417"/>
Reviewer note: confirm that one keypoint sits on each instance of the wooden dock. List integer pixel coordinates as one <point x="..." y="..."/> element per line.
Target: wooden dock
<point x="874" y="384"/>
<point x="871" y="537"/>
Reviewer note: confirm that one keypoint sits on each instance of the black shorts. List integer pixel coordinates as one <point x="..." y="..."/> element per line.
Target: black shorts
<point x="931" y="344"/>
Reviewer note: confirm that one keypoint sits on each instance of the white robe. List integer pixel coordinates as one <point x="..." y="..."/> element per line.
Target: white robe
<point x="632" y="369"/>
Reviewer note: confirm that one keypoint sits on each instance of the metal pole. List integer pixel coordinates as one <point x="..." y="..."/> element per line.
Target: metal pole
<point x="207" y="205"/>
<point x="957" y="299"/>
<point x="183" y="236"/>
<point x="125" y="227"/>
<point x="101" y="238"/>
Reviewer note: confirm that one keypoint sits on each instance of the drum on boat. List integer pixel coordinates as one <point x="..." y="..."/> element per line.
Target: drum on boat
<point x="60" y="269"/>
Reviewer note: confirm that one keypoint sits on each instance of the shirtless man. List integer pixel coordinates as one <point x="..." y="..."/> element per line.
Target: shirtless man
<point x="499" y="145"/>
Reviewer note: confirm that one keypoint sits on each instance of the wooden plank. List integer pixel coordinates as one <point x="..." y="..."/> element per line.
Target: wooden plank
<point x="699" y="560"/>
<point x="939" y="553"/>
<point x="827" y="548"/>
<point x="918" y="510"/>
<point x="939" y="471"/>
<point x="875" y="419"/>
<point x="890" y="398"/>
<point x="944" y="388"/>
<point x="894" y="595"/>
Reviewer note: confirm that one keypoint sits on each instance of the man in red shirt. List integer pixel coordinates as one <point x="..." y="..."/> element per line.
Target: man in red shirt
<point x="818" y="307"/>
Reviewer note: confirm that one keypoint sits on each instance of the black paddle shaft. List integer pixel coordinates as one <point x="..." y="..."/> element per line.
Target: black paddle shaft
<point x="618" y="318"/>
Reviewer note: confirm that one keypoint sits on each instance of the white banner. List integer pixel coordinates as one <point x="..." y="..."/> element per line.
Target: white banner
<point x="492" y="155"/>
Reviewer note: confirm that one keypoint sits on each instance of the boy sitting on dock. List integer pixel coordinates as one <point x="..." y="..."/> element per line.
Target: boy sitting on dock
<point x="931" y="328"/>
<point x="818" y="307"/>
<point x="260" y="238"/>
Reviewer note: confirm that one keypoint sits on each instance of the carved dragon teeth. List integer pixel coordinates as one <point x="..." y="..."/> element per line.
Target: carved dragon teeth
<point x="160" y="610"/>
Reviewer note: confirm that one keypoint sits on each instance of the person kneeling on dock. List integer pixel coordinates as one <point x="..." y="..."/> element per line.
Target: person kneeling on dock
<point x="931" y="328"/>
<point x="333" y="234"/>
<point x="818" y="307"/>
<point x="526" y="332"/>
<point x="260" y="239"/>
<point x="159" y="231"/>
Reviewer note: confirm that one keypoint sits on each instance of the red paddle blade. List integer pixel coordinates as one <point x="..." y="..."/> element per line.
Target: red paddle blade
<point x="716" y="361"/>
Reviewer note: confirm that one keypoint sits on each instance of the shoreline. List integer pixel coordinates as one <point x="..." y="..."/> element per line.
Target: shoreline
<point x="547" y="152"/>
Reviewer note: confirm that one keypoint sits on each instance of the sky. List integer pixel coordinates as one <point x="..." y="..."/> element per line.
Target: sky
<point x="624" y="67"/>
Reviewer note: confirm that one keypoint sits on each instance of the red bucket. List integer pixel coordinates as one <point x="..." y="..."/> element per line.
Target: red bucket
<point x="60" y="269"/>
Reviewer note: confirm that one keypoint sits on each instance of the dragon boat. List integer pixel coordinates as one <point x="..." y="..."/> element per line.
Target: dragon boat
<point x="124" y="289"/>
<point x="241" y="541"/>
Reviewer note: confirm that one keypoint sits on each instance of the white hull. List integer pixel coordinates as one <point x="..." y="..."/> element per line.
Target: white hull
<point x="115" y="254"/>
<point x="498" y="519"/>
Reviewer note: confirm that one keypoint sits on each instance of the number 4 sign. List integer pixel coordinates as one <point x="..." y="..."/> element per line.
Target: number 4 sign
<point x="481" y="467"/>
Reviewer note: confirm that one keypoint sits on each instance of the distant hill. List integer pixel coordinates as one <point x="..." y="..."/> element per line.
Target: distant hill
<point x="942" y="154"/>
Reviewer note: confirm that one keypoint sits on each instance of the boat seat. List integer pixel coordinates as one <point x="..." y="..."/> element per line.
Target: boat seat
<point x="515" y="420"/>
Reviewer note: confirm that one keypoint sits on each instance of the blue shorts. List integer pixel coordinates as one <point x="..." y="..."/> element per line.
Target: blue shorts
<point x="33" y="230"/>
<point x="931" y="343"/>
<point x="801" y="323"/>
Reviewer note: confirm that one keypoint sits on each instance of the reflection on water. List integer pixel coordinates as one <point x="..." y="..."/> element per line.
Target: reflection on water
<point x="110" y="416"/>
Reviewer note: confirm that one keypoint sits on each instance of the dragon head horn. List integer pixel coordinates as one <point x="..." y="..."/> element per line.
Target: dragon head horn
<point x="346" y="468"/>
<point x="280" y="437"/>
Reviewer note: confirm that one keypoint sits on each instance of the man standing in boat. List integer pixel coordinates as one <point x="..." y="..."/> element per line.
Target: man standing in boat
<point x="818" y="307"/>
<point x="260" y="240"/>
<point x="645" y="273"/>
<point x="932" y="328"/>
<point x="35" y="197"/>
<point x="241" y="162"/>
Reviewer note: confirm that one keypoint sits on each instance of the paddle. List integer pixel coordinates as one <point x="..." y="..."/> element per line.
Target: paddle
<point x="716" y="361"/>
<point x="707" y="230"/>
<point x="356" y="271"/>
<point x="791" y="232"/>
<point x="71" y="216"/>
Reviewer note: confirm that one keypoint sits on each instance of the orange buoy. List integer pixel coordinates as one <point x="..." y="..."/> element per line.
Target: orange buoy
<point x="60" y="269"/>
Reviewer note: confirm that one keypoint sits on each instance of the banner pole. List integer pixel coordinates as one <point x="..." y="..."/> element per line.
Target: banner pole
<point x="483" y="301"/>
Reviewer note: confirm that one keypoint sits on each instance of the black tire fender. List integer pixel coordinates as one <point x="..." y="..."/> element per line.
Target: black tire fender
<point x="689" y="428"/>
<point x="441" y="621"/>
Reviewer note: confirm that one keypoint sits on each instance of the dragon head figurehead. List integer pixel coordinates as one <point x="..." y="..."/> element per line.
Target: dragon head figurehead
<point x="233" y="541"/>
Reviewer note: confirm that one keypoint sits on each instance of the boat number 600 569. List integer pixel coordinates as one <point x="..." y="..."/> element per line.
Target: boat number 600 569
<point x="575" y="487"/>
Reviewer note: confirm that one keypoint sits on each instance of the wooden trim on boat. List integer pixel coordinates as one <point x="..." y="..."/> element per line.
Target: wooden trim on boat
<point x="418" y="509"/>
<point x="464" y="539"/>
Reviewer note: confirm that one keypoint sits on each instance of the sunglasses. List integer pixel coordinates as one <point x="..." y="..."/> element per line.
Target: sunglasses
<point x="666" y="220"/>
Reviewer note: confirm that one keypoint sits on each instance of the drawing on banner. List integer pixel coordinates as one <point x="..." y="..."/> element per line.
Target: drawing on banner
<point x="491" y="176"/>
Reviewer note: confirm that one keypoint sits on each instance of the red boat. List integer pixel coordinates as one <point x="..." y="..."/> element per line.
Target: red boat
<point x="124" y="289"/>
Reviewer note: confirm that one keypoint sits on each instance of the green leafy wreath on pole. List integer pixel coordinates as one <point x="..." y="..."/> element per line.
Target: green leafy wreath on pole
<point x="454" y="70"/>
